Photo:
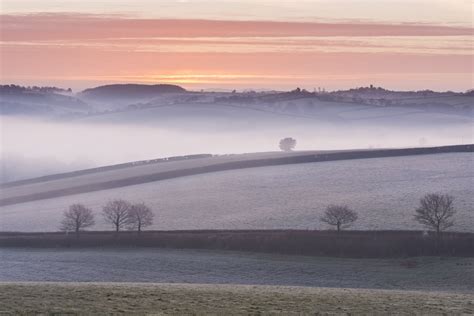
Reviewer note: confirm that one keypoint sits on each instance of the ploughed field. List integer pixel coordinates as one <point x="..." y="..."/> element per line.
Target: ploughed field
<point x="173" y="299"/>
<point x="384" y="191"/>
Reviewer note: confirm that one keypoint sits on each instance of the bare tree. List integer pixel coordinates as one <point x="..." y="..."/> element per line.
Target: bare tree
<point x="339" y="215"/>
<point x="140" y="216"/>
<point x="76" y="218"/>
<point x="116" y="212"/>
<point x="435" y="211"/>
<point x="287" y="144"/>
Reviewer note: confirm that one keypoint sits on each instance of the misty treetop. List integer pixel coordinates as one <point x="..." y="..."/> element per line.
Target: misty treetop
<point x="287" y="144"/>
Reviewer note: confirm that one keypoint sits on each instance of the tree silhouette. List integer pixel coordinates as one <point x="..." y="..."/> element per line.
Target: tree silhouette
<point x="116" y="212"/>
<point x="435" y="211"/>
<point x="140" y="216"/>
<point x="339" y="216"/>
<point x="287" y="144"/>
<point x="76" y="218"/>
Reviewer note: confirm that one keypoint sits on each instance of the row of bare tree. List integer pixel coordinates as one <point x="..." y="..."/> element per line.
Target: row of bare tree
<point x="119" y="213"/>
<point x="434" y="212"/>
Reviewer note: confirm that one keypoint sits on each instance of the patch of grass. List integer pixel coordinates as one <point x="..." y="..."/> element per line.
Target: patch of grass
<point x="121" y="298"/>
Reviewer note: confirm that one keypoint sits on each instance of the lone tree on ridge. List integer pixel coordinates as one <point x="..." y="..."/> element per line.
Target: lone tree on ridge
<point x="77" y="218"/>
<point x="287" y="144"/>
<point x="339" y="215"/>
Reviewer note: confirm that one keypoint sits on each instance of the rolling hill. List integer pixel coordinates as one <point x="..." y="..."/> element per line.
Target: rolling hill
<point x="128" y="92"/>
<point x="108" y="127"/>
<point x="273" y="190"/>
<point x="43" y="101"/>
<point x="127" y="97"/>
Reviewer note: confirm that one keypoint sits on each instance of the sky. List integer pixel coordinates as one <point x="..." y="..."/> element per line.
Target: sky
<point x="246" y="44"/>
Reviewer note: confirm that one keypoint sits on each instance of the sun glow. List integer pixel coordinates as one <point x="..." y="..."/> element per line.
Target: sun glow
<point x="87" y="48"/>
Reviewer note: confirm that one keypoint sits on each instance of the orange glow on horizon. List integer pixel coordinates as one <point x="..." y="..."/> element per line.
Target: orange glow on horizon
<point x="83" y="50"/>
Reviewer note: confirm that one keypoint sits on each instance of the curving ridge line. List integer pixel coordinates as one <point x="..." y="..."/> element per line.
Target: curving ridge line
<point x="295" y="159"/>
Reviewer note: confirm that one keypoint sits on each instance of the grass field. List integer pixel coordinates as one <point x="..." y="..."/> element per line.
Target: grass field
<point x="384" y="191"/>
<point x="118" y="298"/>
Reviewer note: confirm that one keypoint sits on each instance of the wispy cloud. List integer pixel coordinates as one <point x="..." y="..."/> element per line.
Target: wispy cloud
<point x="452" y="45"/>
<point x="91" y="48"/>
<point x="82" y="26"/>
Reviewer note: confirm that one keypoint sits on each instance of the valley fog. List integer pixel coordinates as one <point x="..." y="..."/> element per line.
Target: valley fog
<point x="33" y="147"/>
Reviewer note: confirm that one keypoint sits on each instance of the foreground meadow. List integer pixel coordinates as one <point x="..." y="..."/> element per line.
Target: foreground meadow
<point x="139" y="298"/>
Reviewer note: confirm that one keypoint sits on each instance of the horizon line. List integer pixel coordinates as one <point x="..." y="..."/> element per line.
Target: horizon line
<point x="237" y="90"/>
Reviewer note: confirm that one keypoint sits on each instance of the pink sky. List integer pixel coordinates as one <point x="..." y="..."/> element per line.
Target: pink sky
<point x="81" y="45"/>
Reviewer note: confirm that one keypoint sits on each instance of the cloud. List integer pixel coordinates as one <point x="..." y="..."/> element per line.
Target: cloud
<point x="85" y="26"/>
<point x="85" y="49"/>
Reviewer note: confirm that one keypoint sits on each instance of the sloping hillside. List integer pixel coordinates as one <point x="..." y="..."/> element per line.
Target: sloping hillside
<point x="385" y="191"/>
<point x="128" y="93"/>
<point x="161" y="123"/>
<point x="129" y="97"/>
<point x="156" y="170"/>
<point x="49" y="101"/>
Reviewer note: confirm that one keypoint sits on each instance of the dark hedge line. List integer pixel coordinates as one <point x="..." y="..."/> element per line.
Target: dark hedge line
<point x="355" y="244"/>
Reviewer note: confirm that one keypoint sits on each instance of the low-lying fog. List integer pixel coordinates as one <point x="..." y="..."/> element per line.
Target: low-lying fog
<point x="33" y="147"/>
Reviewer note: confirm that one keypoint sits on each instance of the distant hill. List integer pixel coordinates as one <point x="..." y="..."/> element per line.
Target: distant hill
<point x="19" y="100"/>
<point x="130" y="91"/>
<point x="13" y="89"/>
<point x="357" y="103"/>
<point x="375" y="97"/>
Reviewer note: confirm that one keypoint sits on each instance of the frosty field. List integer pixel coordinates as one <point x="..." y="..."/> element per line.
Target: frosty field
<point x="385" y="192"/>
<point x="220" y="282"/>
<point x="162" y="299"/>
<point x="229" y="267"/>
